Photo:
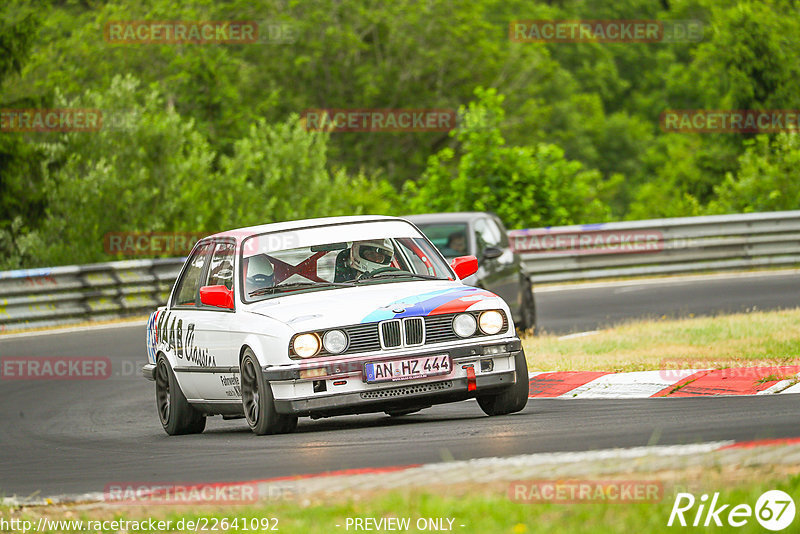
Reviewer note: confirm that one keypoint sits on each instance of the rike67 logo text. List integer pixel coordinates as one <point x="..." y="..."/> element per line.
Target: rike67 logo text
<point x="774" y="510"/>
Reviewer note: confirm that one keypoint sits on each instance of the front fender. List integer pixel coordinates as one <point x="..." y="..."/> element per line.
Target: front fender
<point x="268" y="338"/>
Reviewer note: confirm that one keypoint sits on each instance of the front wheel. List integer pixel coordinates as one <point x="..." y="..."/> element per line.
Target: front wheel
<point x="258" y="402"/>
<point x="176" y="414"/>
<point x="514" y="398"/>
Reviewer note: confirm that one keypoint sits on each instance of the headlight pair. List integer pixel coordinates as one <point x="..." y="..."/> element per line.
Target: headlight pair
<point x="490" y="322"/>
<point x="308" y="345"/>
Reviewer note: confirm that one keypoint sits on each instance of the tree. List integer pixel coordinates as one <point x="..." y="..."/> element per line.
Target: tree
<point x="768" y="178"/>
<point x="130" y="176"/>
<point x="527" y="186"/>
<point x="21" y="198"/>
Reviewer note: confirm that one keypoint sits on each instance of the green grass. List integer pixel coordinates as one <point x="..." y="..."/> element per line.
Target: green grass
<point x="757" y="338"/>
<point x="482" y="510"/>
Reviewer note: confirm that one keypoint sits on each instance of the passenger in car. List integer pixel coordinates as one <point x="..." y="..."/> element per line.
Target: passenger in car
<point x="259" y="273"/>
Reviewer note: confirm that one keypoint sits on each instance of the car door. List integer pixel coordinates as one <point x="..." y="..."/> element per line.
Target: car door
<point x="217" y="364"/>
<point x="201" y="333"/>
<point x="499" y="274"/>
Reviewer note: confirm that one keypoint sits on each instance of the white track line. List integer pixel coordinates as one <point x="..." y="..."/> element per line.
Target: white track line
<point x="794" y="389"/>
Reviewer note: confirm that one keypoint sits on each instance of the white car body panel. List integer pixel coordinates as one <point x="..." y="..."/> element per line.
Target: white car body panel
<point x="203" y="346"/>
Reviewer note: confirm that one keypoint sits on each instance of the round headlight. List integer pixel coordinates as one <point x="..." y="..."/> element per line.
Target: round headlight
<point x="334" y="341"/>
<point x="306" y="345"/>
<point x="464" y="325"/>
<point x="491" y="322"/>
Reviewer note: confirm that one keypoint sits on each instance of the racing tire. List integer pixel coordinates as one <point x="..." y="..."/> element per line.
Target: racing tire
<point x="514" y="398"/>
<point x="258" y="402"/>
<point x="528" y="309"/>
<point x="175" y="413"/>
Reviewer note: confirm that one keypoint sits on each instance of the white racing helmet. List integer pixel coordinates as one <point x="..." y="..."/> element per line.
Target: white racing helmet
<point x="367" y="256"/>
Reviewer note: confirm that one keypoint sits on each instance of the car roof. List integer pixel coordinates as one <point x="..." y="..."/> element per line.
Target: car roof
<point x="303" y="223"/>
<point x="456" y="216"/>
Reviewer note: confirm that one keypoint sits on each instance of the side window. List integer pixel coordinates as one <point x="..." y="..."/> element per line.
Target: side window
<point x="220" y="272"/>
<point x="487" y="234"/>
<point x="189" y="285"/>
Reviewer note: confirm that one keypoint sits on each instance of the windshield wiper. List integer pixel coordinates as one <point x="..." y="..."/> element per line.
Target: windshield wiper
<point x="296" y="285"/>
<point x="387" y="274"/>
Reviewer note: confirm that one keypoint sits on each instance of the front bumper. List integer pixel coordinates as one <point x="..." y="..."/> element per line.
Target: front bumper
<point x="338" y="388"/>
<point x="149" y="371"/>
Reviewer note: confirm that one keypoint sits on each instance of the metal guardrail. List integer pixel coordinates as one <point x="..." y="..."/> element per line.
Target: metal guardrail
<point x="62" y="295"/>
<point x="659" y="246"/>
<point x="33" y="298"/>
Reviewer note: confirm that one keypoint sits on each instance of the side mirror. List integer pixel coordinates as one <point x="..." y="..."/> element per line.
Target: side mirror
<point x="464" y="266"/>
<point x="490" y="253"/>
<point x="219" y="296"/>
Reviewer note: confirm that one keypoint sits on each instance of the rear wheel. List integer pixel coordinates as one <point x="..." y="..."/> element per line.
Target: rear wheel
<point x="258" y="402"/>
<point x="176" y="414"/>
<point x="514" y="398"/>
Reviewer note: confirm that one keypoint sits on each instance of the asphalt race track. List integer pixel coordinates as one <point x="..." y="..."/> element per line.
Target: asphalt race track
<point x="578" y="310"/>
<point x="78" y="436"/>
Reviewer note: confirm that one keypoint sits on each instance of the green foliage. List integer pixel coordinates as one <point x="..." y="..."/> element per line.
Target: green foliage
<point x="525" y="185"/>
<point x="217" y="142"/>
<point x="21" y="199"/>
<point x="768" y="178"/>
<point x="149" y="169"/>
<point x="131" y="176"/>
<point x="279" y="172"/>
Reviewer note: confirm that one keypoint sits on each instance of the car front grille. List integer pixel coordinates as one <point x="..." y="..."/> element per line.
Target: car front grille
<point x="409" y="332"/>
<point x="415" y="330"/>
<point x="363" y="338"/>
<point x="391" y="335"/>
<point x="440" y="328"/>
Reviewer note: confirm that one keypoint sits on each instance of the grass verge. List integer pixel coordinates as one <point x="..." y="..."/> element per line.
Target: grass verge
<point x="484" y="508"/>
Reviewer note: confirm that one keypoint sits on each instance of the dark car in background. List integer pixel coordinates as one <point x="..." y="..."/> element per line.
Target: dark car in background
<point x="483" y="235"/>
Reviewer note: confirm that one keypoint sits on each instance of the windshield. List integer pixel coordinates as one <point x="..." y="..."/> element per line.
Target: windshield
<point x="268" y="270"/>
<point x="449" y="238"/>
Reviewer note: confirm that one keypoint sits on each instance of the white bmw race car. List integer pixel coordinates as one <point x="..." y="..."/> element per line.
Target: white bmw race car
<point x="326" y="317"/>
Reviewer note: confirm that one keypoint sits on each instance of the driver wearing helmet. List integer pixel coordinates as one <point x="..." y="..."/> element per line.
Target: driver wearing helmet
<point x="363" y="257"/>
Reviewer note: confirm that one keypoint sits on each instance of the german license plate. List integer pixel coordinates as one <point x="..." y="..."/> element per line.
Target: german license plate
<point x="408" y="368"/>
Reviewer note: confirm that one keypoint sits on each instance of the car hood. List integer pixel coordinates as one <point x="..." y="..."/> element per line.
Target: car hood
<point x="367" y="304"/>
